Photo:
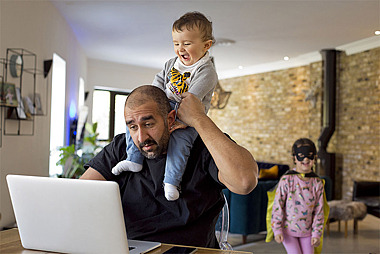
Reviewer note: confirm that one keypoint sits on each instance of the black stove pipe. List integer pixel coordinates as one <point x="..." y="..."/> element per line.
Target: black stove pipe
<point x="328" y="114"/>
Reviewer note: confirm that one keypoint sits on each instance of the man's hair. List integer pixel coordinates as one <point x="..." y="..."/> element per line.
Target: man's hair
<point x="147" y="93"/>
<point x="195" y="19"/>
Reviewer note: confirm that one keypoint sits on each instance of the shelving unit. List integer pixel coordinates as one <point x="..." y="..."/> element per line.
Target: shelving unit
<point x="13" y="125"/>
<point x="2" y="62"/>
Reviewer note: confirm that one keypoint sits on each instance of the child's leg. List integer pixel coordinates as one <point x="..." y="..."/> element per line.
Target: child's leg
<point x="291" y="244"/>
<point x="305" y="243"/>
<point x="180" y="144"/>
<point x="134" y="159"/>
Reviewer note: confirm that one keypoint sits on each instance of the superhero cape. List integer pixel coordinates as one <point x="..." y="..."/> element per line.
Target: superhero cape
<point x="271" y="194"/>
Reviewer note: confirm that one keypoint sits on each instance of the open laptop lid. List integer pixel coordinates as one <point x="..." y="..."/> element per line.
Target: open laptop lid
<point x="70" y="215"/>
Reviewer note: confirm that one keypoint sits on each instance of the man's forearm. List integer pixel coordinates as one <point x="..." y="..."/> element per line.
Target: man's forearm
<point x="237" y="167"/>
<point x="92" y="174"/>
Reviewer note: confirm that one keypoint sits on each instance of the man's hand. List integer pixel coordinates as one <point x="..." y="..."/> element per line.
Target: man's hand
<point x="315" y="242"/>
<point x="279" y="238"/>
<point x="191" y="111"/>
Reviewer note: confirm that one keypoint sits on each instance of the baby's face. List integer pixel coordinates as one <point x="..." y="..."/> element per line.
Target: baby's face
<point x="189" y="46"/>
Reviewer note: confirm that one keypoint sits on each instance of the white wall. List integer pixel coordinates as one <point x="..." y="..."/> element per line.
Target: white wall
<point x="38" y="27"/>
<point x="115" y="75"/>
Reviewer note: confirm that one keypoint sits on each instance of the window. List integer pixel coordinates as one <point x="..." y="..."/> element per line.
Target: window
<point x="57" y="112"/>
<point x="82" y="113"/>
<point x="108" y="112"/>
<point x="81" y="93"/>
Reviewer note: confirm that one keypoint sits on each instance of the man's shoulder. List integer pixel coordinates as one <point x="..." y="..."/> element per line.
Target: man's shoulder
<point x="118" y="142"/>
<point x="119" y="137"/>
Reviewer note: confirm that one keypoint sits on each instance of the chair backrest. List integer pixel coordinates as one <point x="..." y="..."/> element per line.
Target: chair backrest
<point x="222" y="226"/>
<point x="365" y="189"/>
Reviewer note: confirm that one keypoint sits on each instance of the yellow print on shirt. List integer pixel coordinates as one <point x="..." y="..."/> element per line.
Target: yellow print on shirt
<point x="177" y="80"/>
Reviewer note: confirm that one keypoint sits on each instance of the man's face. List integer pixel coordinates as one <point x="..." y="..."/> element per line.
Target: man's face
<point x="148" y="129"/>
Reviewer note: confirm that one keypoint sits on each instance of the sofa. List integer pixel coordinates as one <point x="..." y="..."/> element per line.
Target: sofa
<point x="248" y="212"/>
<point x="368" y="192"/>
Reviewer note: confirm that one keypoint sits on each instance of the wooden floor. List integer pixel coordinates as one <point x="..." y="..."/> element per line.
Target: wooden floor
<point x="366" y="241"/>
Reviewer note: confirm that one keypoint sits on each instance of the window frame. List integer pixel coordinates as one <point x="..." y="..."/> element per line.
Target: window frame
<point x="113" y="93"/>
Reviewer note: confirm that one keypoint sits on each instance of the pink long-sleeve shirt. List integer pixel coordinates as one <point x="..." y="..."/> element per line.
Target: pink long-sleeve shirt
<point x="298" y="206"/>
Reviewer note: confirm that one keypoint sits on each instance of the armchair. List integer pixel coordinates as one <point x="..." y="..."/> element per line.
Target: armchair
<point x="368" y="193"/>
<point x="248" y="212"/>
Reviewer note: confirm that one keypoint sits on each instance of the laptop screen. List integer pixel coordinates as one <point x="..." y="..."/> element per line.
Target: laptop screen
<point x="70" y="215"/>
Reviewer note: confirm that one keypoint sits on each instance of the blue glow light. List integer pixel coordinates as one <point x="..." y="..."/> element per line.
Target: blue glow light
<point x="73" y="110"/>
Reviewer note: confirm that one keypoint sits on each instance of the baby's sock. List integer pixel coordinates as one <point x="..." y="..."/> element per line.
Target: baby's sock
<point x="171" y="192"/>
<point x="126" y="166"/>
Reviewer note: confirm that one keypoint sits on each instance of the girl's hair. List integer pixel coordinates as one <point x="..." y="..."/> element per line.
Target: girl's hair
<point x="195" y="19"/>
<point x="302" y="142"/>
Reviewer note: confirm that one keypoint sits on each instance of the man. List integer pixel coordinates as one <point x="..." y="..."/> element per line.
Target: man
<point x="215" y="162"/>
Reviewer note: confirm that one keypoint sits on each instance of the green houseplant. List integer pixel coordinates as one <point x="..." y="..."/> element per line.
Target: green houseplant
<point x="73" y="157"/>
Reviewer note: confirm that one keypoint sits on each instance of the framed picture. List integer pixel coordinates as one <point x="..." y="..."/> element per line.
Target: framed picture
<point x="8" y="94"/>
<point x="20" y="108"/>
<point x="38" y="105"/>
<point x="29" y="107"/>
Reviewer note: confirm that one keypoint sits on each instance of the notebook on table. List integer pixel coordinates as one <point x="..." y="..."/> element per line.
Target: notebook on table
<point x="71" y="216"/>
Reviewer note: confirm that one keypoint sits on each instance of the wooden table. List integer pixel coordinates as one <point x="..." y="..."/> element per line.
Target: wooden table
<point x="10" y="243"/>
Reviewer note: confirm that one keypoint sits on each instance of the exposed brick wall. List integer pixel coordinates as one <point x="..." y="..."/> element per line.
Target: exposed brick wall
<point x="267" y="112"/>
<point x="357" y="136"/>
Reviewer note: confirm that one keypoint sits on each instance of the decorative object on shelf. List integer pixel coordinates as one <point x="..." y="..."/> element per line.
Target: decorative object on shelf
<point x="29" y="106"/>
<point x="16" y="65"/>
<point x="20" y="108"/>
<point x="8" y="94"/>
<point x="38" y="105"/>
<point x="220" y="97"/>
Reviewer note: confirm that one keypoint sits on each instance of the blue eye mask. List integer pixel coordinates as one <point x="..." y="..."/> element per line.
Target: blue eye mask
<point x="305" y="151"/>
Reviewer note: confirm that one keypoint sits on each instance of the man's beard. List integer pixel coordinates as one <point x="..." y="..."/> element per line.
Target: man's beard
<point x="161" y="146"/>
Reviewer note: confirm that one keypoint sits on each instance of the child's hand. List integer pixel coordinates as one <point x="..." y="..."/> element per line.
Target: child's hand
<point x="315" y="242"/>
<point x="279" y="238"/>
<point x="177" y="125"/>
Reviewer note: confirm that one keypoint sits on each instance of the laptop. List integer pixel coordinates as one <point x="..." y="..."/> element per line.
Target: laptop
<point x="71" y="216"/>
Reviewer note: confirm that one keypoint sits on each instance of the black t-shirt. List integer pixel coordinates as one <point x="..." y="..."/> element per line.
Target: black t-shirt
<point x="190" y="220"/>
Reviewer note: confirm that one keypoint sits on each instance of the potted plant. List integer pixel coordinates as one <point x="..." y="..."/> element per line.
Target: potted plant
<point x="73" y="157"/>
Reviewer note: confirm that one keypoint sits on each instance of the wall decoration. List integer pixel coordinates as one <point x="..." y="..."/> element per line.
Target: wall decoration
<point x="220" y="98"/>
<point x="20" y="108"/>
<point x="16" y="65"/>
<point x="29" y="107"/>
<point x="18" y="119"/>
<point x="8" y="94"/>
<point x="38" y="104"/>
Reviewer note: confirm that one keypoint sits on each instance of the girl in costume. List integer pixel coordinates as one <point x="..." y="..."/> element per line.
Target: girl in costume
<point x="297" y="214"/>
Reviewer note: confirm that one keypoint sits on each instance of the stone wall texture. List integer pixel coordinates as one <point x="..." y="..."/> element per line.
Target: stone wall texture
<point x="267" y="112"/>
